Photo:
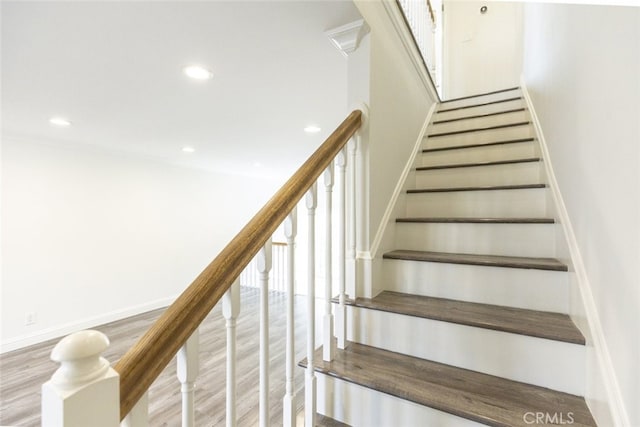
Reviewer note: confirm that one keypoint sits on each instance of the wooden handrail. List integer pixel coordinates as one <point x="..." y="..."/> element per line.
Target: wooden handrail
<point x="142" y="364"/>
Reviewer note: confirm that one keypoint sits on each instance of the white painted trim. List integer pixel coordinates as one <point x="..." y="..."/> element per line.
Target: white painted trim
<point x="614" y="396"/>
<point x="346" y="38"/>
<point x="635" y="3"/>
<point x="396" y="17"/>
<point x="87" y="323"/>
<point x="373" y="250"/>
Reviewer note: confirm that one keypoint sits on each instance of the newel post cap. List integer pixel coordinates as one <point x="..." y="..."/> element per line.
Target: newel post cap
<point x="79" y="355"/>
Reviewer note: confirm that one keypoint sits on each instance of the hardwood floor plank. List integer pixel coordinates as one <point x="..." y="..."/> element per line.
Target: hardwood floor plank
<point x="479" y="397"/>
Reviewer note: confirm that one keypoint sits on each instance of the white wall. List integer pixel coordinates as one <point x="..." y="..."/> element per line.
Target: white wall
<point x="582" y="69"/>
<point x="482" y="52"/>
<point x="90" y="236"/>
<point x="398" y="103"/>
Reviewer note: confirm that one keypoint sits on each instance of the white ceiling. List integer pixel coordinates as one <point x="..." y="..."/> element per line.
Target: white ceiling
<point x="115" y="70"/>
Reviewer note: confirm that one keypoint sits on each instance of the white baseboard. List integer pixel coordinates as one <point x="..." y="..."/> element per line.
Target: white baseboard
<point x="87" y="323"/>
<point x="614" y="396"/>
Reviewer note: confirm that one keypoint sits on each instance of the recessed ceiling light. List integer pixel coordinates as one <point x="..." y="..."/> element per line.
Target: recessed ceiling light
<point x="257" y="164"/>
<point x="59" y="121"/>
<point x="188" y="149"/>
<point x="197" y="72"/>
<point x="312" y="129"/>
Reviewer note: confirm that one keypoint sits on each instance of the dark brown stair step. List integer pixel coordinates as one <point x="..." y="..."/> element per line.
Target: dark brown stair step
<point x="540" y="324"/>
<point x="480" y="94"/>
<point x="495" y="127"/>
<point x="479" y="397"/>
<point x="479" y="164"/>
<point x="516" y="98"/>
<point x="462" y="220"/>
<point x="324" y="421"/>
<point x="479" y="116"/>
<point x="481" y="260"/>
<point x="483" y="188"/>
<point x="479" y="145"/>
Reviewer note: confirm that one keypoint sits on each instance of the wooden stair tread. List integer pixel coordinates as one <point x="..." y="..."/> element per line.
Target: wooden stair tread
<point x="324" y="421"/>
<point x="479" y="397"/>
<point x="480" y="94"/>
<point x="540" y="324"/>
<point x="476" y="220"/>
<point x="479" y="116"/>
<point x="479" y="145"/>
<point x="494" y="127"/>
<point x="479" y="164"/>
<point x="474" y="259"/>
<point x="499" y="101"/>
<point x="480" y="188"/>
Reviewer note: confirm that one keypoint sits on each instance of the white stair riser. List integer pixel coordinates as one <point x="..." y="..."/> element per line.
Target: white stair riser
<point x="509" y="174"/>
<point x="479" y="137"/>
<point x="474" y="111"/>
<point x="499" y="119"/>
<point x="527" y="240"/>
<point x="513" y="287"/>
<point x="546" y="363"/>
<point x="480" y="99"/>
<point x="359" y="406"/>
<point x="480" y="154"/>
<point x="493" y="203"/>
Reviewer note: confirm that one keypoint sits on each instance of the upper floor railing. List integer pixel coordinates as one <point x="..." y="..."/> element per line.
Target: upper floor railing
<point x="420" y="17"/>
<point x="87" y="391"/>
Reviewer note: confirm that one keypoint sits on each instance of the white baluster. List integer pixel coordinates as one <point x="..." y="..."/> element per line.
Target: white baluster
<point x="310" y="378"/>
<point x="188" y="366"/>
<point x="264" y="267"/>
<point x="341" y="310"/>
<point x="139" y="415"/>
<point x="288" y="403"/>
<point x="85" y="390"/>
<point x="351" y="210"/>
<point x="328" y="347"/>
<point x="230" y="311"/>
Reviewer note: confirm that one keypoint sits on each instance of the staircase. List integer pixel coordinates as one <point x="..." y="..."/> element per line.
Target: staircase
<point x="472" y="328"/>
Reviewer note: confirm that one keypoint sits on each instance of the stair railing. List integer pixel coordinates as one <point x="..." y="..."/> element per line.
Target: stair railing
<point x="87" y="391"/>
<point x="420" y="18"/>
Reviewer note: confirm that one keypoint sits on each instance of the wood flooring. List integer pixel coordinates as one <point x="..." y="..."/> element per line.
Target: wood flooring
<point x="22" y="372"/>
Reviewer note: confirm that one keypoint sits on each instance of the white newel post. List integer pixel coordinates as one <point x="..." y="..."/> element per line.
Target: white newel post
<point x="230" y="311"/>
<point x="310" y="379"/>
<point x="85" y="390"/>
<point x="139" y="415"/>
<point x="288" y="402"/>
<point x="328" y="347"/>
<point x="264" y="267"/>
<point x="188" y="366"/>
<point x="341" y="309"/>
